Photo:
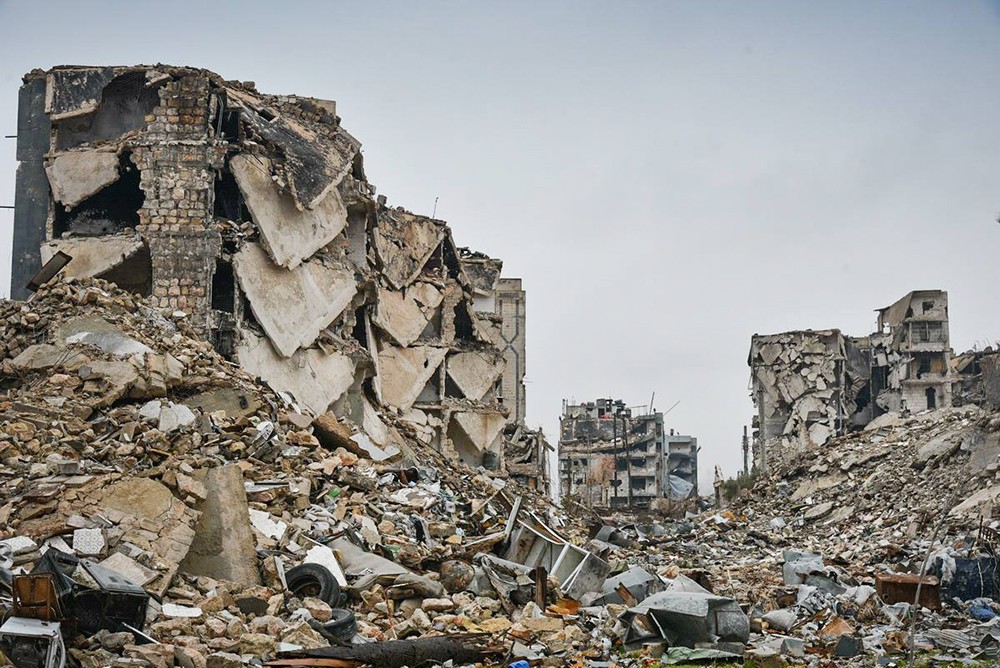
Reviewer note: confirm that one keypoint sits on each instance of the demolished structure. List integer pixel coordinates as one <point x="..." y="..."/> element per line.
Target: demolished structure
<point x="809" y="386"/>
<point x="252" y="213"/>
<point x="612" y="457"/>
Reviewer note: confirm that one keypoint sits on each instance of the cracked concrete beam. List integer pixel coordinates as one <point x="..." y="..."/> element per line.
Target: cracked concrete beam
<point x="313" y="377"/>
<point x="293" y="306"/>
<point x="288" y="234"/>
<point x="405" y="371"/>
<point x="474" y="372"/>
<point x="77" y="175"/>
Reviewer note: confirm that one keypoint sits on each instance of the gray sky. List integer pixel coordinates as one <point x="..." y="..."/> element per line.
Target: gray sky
<point x="667" y="178"/>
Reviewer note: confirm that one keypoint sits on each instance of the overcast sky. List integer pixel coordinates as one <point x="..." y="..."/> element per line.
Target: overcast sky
<point x="667" y="178"/>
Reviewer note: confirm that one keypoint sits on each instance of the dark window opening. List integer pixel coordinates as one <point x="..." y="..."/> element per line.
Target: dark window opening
<point x="931" y="397"/>
<point x="909" y="312"/>
<point x="134" y="274"/>
<point x="223" y="287"/>
<point x="359" y="332"/>
<point x="125" y="103"/>
<point x="450" y="260"/>
<point x="111" y="210"/>
<point x="927" y="306"/>
<point x="621" y="464"/>
<point x="463" y="322"/>
<point x="923" y="366"/>
<point x="451" y="389"/>
<point x="267" y="114"/>
<point x="229" y="200"/>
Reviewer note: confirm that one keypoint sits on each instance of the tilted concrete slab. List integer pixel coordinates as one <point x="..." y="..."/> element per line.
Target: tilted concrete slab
<point x="474" y="372"/>
<point x="92" y="256"/>
<point x="288" y="234"/>
<point x="404" y="243"/>
<point x="405" y="371"/>
<point x="313" y="163"/>
<point x="224" y="546"/>
<point x="313" y="377"/>
<point x="401" y="316"/>
<point x="77" y="175"/>
<point x="293" y="306"/>
<point x="482" y="428"/>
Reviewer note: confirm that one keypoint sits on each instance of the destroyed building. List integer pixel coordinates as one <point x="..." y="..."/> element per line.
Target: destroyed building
<point x="809" y="386"/>
<point x="611" y="456"/>
<point x="253" y="214"/>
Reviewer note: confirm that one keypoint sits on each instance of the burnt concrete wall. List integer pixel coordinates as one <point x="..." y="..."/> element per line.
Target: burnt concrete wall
<point x="31" y="198"/>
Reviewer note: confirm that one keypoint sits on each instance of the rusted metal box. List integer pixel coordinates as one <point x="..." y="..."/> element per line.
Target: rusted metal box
<point x="902" y="588"/>
<point x="36" y="597"/>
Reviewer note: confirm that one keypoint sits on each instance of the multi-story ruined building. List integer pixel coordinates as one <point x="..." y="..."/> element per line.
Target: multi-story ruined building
<point x="253" y="214"/>
<point x="810" y="386"/>
<point x="911" y="354"/>
<point x="612" y="456"/>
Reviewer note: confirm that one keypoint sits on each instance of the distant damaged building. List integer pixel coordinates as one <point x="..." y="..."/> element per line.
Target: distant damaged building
<point x="613" y="457"/>
<point x="253" y="214"/>
<point x="810" y="386"/>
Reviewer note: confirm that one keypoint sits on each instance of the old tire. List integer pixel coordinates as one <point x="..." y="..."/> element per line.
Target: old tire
<point x="314" y="580"/>
<point x="341" y="627"/>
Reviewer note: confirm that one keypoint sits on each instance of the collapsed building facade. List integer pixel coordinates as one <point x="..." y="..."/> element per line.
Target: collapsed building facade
<point x="252" y="213"/>
<point x="810" y="386"/>
<point x="612" y="457"/>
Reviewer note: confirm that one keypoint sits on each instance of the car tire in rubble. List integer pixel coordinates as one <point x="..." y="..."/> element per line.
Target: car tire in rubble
<point x="314" y="580"/>
<point x="341" y="627"/>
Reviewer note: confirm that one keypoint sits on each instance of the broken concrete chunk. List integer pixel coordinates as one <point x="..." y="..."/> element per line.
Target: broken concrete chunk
<point x="77" y="175"/>
<point x="405" y="371"/>
<point x="289" y="235"/>
<point x="316" y="379"/>
<point x="475" y="372"/>
<point x="92" y="256"/>
<point x="293" y="306"/>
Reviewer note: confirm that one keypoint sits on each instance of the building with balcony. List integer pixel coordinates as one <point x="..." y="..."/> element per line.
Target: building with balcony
<point x="613" y="456"/>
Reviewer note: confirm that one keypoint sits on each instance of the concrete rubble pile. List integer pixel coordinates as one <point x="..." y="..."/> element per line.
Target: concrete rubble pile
<point x="253" y="213"/>
<point x="825" y="553"/>
<point x="232" y="525"/>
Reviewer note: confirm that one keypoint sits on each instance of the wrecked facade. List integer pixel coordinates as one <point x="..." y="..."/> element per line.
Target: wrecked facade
<point x="809" y="386"/>
<point x="610" y="457"/>
<point x="252" y="213"/>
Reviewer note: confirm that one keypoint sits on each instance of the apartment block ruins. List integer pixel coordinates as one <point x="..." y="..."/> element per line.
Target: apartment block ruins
<point x="613" y="457"/>
<point x="809" y="386"/>
<point x="253" y="214"/>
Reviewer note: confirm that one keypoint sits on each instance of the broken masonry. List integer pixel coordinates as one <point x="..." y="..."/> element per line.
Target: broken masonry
<point x="253" y="214"/>
<point x="810" y="386"/>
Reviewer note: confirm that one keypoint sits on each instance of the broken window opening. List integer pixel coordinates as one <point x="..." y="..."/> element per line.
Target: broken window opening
<point x="927" y="306"/>
<point x="359" y="331"/>
<point x="927" y="332"/>
<point x="134" y="275"/>
<point x="923" y="365"/>
<point x="463" y="323"/>
<point x="109" y="211"/>
<point x="451" y="389"/>
<point x="931" y="394"/>
<point x="224" y="287"/>
<point x="125" y="104"/>
<point x="229" y="202"/>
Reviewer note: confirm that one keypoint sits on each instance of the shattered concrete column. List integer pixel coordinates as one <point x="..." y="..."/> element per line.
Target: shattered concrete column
<point x="176" y="160"/>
